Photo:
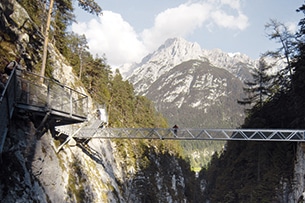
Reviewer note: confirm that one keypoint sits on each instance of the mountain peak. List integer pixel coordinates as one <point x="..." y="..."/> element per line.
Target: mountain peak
<point x="177" y="41"/>
<point x="179" y="45"/>
<point x="173" y="52"/>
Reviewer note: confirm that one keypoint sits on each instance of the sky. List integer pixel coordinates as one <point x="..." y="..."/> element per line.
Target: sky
<point x="129" y="30"/>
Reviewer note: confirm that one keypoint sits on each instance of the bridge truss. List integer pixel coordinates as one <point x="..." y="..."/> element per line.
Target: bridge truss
<point x="193" y="134"/>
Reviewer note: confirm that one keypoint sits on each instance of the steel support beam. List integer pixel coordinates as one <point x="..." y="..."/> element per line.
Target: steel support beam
<point x="195" y="134"/>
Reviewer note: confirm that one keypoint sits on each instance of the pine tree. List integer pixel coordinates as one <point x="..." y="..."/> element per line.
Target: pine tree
<point x="299" y="62"/>
<point x="299" y="75"/>
<point x="63" y="16"/>
<point x="280" y="33"/>
<point x="260" y="88"/>
<point x="78" y="49"/>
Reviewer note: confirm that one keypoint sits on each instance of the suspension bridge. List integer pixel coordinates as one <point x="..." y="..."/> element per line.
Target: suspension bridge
<point x="55" y="105"/>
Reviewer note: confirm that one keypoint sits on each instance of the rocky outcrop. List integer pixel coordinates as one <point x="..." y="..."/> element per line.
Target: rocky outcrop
<point x="299" y="175"/>
<point x="19" y="36"/>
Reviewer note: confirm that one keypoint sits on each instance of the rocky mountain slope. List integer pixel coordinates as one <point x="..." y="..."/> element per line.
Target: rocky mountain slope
<point x="194" y="87"/>
<point x="194" y="91"/>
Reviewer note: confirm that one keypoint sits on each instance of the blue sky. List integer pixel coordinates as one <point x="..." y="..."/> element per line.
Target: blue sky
<point x="129" y="30"/>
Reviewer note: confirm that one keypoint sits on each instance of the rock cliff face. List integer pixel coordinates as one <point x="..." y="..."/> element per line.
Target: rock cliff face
<point x="19" y="37"/>
<point x="299" y="176"/>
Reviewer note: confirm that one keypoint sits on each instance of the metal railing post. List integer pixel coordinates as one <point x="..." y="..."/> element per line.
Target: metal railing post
<point x="48" y="93"/>
<point x="7" y="107"/>
<point x="27" y="92"/>
<point x="71" y="103"/>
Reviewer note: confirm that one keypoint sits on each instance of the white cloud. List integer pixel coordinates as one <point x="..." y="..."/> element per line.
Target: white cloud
<point x="183" y="20"/>
<point x="175" y="22"/>
<point x="225" y="20"/>
<point x="234" y="4"/>
<point x="292" y="27"/>
<point x="112" y="35"/>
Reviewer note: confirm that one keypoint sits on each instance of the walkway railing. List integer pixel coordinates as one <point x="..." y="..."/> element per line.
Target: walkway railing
<point x="7" y="101"/>
<point x="195" y="134"/>
<point x="24" y="90"/>
<point x="51" y="94"/>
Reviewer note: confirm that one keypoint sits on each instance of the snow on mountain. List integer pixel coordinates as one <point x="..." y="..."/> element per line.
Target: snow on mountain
<point x="236" y="63"/>
<point x="195" y="87"/>
<point x="197" y="94"/>
<point x="191" y="86"/>
<point x="177" y="50"/>
<point x="170" y="54"/>
<point x="226" y="60"/>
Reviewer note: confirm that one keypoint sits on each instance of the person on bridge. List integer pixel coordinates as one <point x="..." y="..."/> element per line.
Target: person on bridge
<point x="175" y="127"/>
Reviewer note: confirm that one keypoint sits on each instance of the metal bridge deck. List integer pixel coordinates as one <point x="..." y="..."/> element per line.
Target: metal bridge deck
<point x="194" y="134"/>
<point x="49" y="101"/>
<point x="66" y="106"/>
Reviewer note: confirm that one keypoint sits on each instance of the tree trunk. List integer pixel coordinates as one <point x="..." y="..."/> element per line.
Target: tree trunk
<point x="46" y="41"/>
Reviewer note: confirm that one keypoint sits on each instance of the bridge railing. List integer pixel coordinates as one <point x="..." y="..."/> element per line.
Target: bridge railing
<point x="7" y="101"/>
<point x="50" y="94"/>
<point x="195" y="134"/>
